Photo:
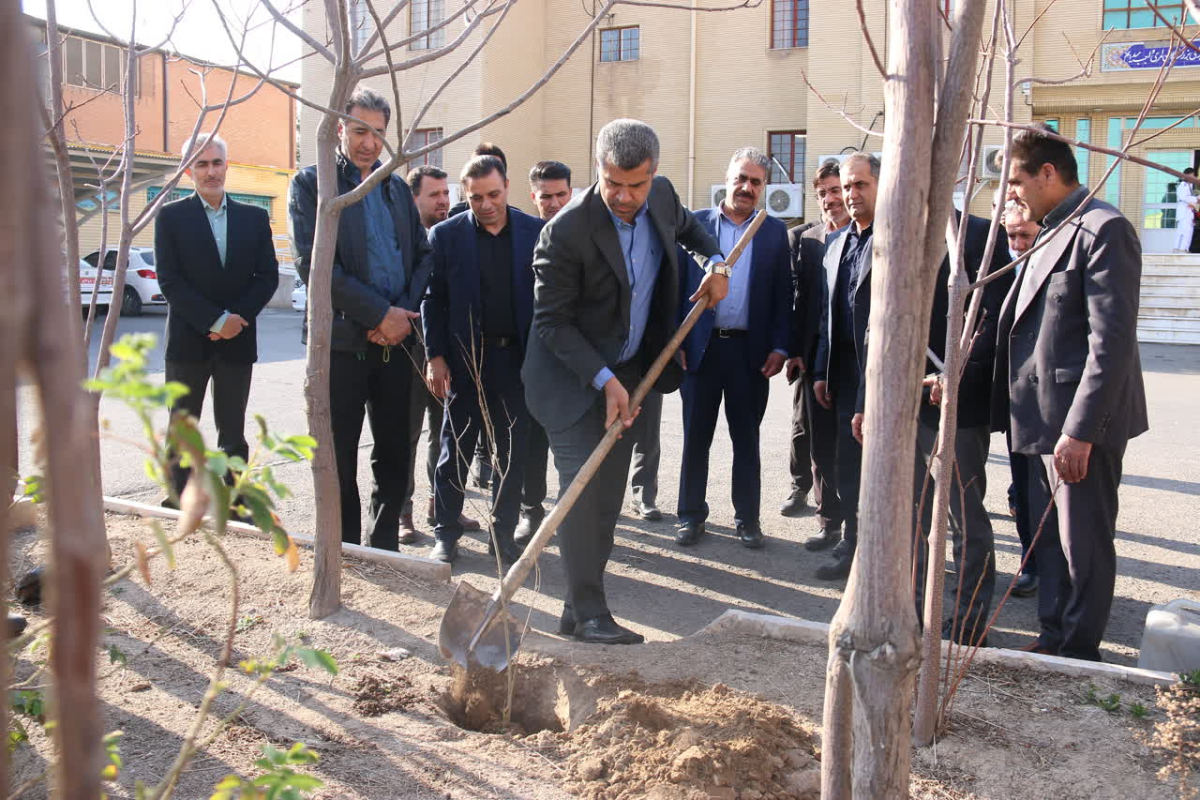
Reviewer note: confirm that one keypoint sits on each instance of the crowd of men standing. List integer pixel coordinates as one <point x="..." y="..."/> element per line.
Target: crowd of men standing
<point x="516" y="336"/>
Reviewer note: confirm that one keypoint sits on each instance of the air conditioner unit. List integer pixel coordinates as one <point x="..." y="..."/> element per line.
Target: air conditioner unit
<point x="717" y="194"/>
<point x="785" y="200"/>
<point x="823" y="160"/>
<point x="992" y="161"/>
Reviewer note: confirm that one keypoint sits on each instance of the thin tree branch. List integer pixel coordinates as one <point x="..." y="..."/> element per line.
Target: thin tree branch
<point x="297" y="31"/>
<point x="436" y="53"/>
<point x="862" y="22"/>
<point x="1175" y="32"/>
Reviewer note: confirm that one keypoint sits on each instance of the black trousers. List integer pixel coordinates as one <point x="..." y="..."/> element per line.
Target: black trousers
<point x="537" y="458"/>
<point x="585" y="536"/>
<point x="843" y="382"/>
<point x="647" y="450"/>
<point x="1027" y="517"/>
<point x="727" y="375"/>
<point x="813" y="455"/>
<point x="379" y="383"/>
<point x="422" y="403"/>
<point x="1077" y="553"/>
<point x="972" y="539"/>
<point x="231" y="392"/>
<point x="462" y="428"/>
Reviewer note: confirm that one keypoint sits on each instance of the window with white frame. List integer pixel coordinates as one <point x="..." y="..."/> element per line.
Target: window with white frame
<point x="422" y="137"/>
<point x="361" y="24"/>
<point x="621" y="44"/>
<point x="423" y="15"/>
<point x="94" y="65"/>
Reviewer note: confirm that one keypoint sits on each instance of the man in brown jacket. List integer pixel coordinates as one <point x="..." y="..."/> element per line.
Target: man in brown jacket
<point x="1068" y="385"/>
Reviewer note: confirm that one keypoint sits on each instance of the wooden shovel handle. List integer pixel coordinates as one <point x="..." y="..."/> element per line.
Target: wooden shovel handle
<point x="520" y="570"/>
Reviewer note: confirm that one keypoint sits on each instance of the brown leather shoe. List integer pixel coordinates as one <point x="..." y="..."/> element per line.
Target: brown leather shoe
<point x="1037" y="647"/>
<point x="408" y="532"/>
<point x="467" y="524"/>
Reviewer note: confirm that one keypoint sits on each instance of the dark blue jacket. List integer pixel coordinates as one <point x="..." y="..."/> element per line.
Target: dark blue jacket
<point x="452" y="312"/>
<point x="770" y="297"/>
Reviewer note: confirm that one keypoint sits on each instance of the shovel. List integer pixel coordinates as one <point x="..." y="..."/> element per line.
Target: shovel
<point x="477" y="629"/>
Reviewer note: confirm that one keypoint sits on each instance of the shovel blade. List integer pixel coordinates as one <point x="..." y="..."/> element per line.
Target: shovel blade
<point x="470" y="610"/>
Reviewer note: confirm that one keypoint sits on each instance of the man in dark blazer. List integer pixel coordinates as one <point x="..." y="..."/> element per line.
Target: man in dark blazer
<point x="380" y="270"/>
<point x="477" y="317"/>
<point x="813" y="456"/>
<point x="216" y="265"/>
<point x="838" y="379"/>
<point x="969" y="596"/>
<point x="606" y="293"/>
<point x="1068" y="385"/>
<point x="734" y="350"/>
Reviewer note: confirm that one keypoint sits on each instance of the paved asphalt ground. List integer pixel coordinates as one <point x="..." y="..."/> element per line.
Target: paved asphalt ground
<point x="666" y="592"/>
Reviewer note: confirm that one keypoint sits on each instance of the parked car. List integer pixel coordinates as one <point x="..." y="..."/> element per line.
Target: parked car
<point x="299" y="295"/>
<point x="141" y="280"/>
<point x="87" y="279"/>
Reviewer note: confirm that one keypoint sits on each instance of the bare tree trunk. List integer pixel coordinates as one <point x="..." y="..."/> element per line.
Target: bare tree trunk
<point x="56" y="356"/>
<point x="326" y="594"/>
<point x="62" y="160"/>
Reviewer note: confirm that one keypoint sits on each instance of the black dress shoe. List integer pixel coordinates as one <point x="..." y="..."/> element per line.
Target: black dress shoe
<point x="795" y="505"/>
<point x="566" y="622"/>
<point x="647" y="511"/>
<point x="750" y="536"/>
<point x="446" y="552"/>
<point x="839" y="569"/>
<point x="1026" y="586"/>
<point x="827" y="538"/>
<point x="509" y="552"/>
<point x="605" y="630"/>
<point x="688" y="533"/>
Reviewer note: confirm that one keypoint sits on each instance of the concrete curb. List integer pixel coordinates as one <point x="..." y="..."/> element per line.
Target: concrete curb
<point x="770" y="626"/>
<point x="425" y="568"/>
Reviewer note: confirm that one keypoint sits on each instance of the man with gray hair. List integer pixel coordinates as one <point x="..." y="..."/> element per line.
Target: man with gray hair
<point x="606" y="296"/>
<point x="216" y="266"/>
<point x="734" y="350"/>
<point x="380" y="270"/>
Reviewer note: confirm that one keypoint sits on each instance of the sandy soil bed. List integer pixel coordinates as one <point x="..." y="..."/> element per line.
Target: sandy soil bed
<point x="700" y="717"/>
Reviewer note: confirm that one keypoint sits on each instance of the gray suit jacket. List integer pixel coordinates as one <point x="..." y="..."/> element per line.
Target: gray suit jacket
<point x="582" y="297"/>
<point x="1067" y="358"/>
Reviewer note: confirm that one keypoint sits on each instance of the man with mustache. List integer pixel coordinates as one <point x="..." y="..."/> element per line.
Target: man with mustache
<point x="431" y="193"/>
<point x="380" y="270"/>
<point x="813" y="459"/>
<point x="216" y="266"/>
<point x="734" y="350"/>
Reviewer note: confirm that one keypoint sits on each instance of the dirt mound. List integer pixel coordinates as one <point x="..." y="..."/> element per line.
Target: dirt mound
<point x="689" y="743"/>
<point x="375" y="696"/>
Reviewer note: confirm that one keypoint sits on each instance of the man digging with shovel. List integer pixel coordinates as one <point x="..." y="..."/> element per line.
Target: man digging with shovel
<point x="606" y="301"/>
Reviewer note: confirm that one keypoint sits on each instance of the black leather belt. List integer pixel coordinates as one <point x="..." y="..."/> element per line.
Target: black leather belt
<point x="729" y="333"/>
<point x="499" y="342"/>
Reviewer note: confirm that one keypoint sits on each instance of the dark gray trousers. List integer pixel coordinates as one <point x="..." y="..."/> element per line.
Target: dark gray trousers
<point x="970" y="530"/>
<point x="1076" y="552"/>
<point x="647" y="451"/>
<point x="231" y="393"/>
<point x="585" y="537"/>
<point x="422" y="403"/>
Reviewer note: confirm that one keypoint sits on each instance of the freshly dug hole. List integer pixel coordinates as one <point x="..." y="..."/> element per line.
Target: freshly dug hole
<point x="477" y="698"/>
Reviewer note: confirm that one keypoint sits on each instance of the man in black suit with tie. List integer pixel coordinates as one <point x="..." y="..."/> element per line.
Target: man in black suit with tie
<point x="380" y="271"/>
<point x="477" y="318"/>
<point x="813" y="457"/>
<point x="733" y="352"/>
<point x="216" y="265"/>
<point x="606" y="295"/>
<point x="1068" y="385"/>
<point x="837" y="379"/>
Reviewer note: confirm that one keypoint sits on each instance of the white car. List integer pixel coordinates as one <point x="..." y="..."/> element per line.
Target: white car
<point x="299" y="295"/>
<point x="141" y="280"/>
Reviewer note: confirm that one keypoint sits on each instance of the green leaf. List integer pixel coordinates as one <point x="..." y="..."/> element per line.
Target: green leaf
<point x="303" y="783"/>
<point x="317" y="658"/>
<point x="163" y="542"/>
<point x="115" y="656"/>
<point x="218" y="463"/>
<point x="279" y="540"/>
<point x="35" y="488"/>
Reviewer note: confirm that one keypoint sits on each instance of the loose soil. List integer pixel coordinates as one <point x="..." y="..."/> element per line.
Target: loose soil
<point x="705" y="716"/>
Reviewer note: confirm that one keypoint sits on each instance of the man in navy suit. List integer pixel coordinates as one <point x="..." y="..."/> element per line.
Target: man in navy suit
<point x="216" y="266"/>
<point x="477" y="318"/>
<point x="734" y="350"/>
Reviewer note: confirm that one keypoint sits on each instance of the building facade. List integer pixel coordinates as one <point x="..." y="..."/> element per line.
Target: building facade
<point x="794" y="77"/>
<point x="260" y="132"/>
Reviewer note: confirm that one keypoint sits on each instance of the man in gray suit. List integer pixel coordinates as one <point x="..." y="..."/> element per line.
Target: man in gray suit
<point x="606" y="300"/>
<point x="1069" y="387"/>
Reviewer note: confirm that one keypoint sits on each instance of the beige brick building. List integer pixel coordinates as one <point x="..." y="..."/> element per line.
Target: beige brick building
<point x="711" y="82"/>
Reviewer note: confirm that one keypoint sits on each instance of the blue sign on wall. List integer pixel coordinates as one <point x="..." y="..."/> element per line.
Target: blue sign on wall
<point x="1145" y="55"/>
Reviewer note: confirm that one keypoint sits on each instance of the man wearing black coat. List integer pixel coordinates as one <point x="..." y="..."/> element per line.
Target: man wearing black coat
<point x="380" y="271"/>
<point x="969" y="596"/>
<point x="216" y="265"/>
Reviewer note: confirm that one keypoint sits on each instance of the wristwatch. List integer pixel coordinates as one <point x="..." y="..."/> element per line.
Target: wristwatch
<point x="720" y="269"/>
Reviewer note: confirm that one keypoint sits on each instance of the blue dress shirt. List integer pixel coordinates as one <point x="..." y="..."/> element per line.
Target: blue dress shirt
<point x="385" y="261"/>
<point x="734" y="310"/>
<point x="643" y="254"/>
